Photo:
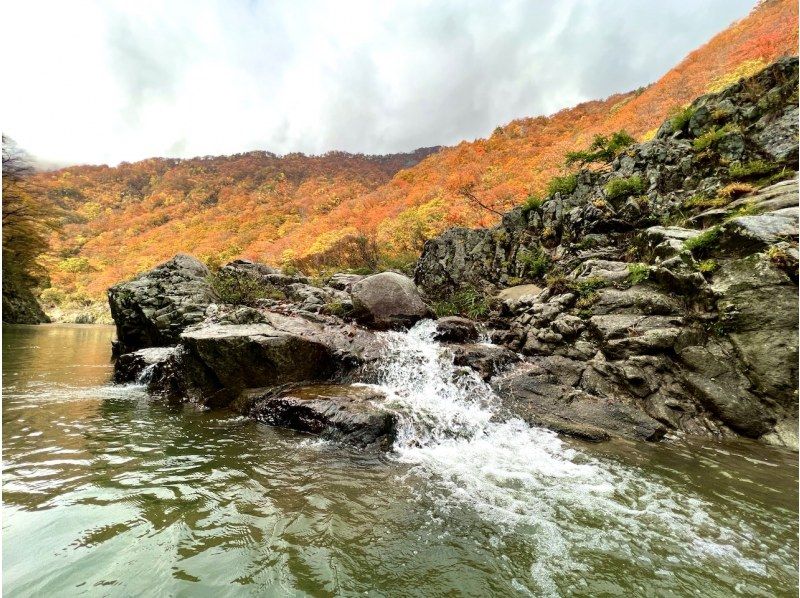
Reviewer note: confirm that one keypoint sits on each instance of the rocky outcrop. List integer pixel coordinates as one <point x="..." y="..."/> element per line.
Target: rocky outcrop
<point x="20" y="306"/>
<point x="388" y="300"/>
<point x="154" y="308"/>
<point x="668" y="306"/>
<point x="344" y="413"/>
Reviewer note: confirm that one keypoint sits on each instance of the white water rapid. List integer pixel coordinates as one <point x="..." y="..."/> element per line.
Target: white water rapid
<point x="520" y="477"/>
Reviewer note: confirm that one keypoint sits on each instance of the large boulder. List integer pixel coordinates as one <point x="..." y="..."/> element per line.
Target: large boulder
<point x="344" y="413"/>
<point x="153" y="309"/>
<point x="388" y="300"/>
<point x="218" y="361"/>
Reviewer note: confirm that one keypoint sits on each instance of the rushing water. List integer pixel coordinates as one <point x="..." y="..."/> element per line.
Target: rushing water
<point x="107" y="492"/>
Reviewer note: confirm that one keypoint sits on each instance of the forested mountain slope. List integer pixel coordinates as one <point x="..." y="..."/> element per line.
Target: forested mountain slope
<point x="340" y="210"/>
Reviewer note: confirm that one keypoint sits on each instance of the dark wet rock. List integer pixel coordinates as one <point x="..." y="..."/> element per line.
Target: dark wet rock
<point x="344" y="413"/>
<point x="487" y="360"/>
<point x="153" y="309"/>
<point x="215" y="362"/>
<point x="140" y="366"/>
<point x="455" y="329"/>
<point x="388" y="300"/>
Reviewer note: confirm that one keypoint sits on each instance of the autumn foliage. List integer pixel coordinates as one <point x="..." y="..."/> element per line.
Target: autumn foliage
<point x="356" y="211"/>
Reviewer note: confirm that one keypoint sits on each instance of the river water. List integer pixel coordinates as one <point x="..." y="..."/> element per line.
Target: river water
<point x="109" y="493"/>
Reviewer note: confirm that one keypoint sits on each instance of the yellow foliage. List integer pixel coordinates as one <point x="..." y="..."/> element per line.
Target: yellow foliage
<point x="649" y="135"/>
<point x="748" y="68"/>
<point x="413" y="226"/>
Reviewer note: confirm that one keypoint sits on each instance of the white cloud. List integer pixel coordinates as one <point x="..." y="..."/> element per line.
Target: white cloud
<point x="104" y="81"/>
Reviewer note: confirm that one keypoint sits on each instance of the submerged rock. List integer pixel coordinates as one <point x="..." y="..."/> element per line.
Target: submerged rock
<point x="345" y="413"/>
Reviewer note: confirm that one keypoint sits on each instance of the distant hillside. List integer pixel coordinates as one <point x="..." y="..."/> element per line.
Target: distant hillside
<point x="341" y="210"/>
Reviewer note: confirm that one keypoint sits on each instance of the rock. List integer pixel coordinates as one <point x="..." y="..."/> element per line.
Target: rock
<point x="139" y="366"/>
<point x="539" y="400"/>
<point x="217" y="361"/>
<point x="155" y="307"/>
<point x="610" y="271"/>
<point x="487" y="360"/>
<point x="455" y="329"/>
<point x="262" y="273"/>
<point x="523" y="292"/>
<point x="350" y="414"/>
<point x="714" y="379"/>
<point x="779" y="137"/>
<point x="388" y="300"/>
<point x="344" y="282"/>
<point x="19" y="304"/>
<point x="665" y="242"/>
<point x="755" y="233"/>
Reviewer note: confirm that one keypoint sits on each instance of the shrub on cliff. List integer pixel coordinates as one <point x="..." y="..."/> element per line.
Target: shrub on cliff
<point x="633" y="185"/>
<point x="562" y="184"/>
<point x="603" y="149"/>
<point x="238" y="289"/>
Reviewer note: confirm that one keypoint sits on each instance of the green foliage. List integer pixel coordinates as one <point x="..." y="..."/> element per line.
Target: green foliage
<point x="753" y="169"/>
<point x="532" y="204"/>
<point x="680" y="117"/>
<point x="748" y="209"/>
<point x="51" y="297"/>
<point x="779" y="257"/>
<point x="468" y="302"/>
<point x="637" y="273"/>
<point x="711" y="137"/>
<point x="603" y="149"/>
<point x="536" y="261"/>
<point x="336" y="308"/>
<point x="704" y="202"/>
<point x="703" y="242"/>
<point x="632" y="185"/>
<point x="240" y="289"/>
<point x="562" y="184"/>
<point x="707" y="266"/>
<point x="588" y="286"/>
<point x="557" y="282"/>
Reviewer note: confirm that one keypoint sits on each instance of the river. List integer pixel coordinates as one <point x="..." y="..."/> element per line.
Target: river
<point x="107" y="492"/>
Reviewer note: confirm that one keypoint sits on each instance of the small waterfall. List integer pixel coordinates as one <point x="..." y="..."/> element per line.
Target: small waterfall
<point x="521" y="477"/>
<point x="146" y="374"/>
<point x="449" y="431"/>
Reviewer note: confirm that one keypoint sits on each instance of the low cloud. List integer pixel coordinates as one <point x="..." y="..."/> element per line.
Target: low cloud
<point x="102" y="82"/>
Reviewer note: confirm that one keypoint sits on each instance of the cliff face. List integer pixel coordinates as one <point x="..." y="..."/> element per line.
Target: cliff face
<point x="20" y="306"/>
<point x="669" y="278"/>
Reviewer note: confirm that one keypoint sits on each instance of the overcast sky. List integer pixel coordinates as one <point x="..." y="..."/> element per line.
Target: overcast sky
<point x="104" y="81"/>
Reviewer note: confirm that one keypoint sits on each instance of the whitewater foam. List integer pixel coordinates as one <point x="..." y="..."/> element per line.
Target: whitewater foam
<point x="517" y="476"/>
